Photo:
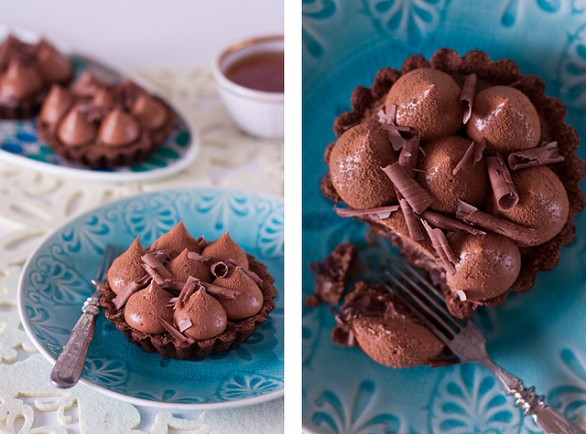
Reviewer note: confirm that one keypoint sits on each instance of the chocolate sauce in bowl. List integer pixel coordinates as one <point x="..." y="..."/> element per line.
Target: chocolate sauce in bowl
<point x="259" y="71"/>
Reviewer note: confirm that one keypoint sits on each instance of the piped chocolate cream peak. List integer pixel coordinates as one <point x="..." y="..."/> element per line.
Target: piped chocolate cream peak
<point x="118" y="129"/>
<point x="54" y="66"/>
<point x="201" y="316"/>
<point x="144" y="309"/>
<point x="21" y="80"/>
<point x="56" y="105"/>
<point x="75" y="129"/>
<point x="149" y="111"/>
<point x="176" y="240"/>
<point x="182" y="267"/>
<point x="427" y="100"/>
<point x="226" y="249"/>
<point x="127" y="267"/>
<point x="248" y="297"/>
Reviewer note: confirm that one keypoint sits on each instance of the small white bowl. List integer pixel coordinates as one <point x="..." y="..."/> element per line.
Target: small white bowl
<point x="256" y="112"/>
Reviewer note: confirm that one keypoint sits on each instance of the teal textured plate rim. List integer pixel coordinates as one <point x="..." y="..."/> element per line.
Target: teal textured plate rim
<point x="55" y="282"/>
<point x="21" y="145"/>
<point x="534" y="335"/>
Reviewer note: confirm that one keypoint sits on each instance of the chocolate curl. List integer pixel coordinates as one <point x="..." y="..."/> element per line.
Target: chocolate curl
<point x="249" y="273"/>
<point x="219" y="291"/>
<point x="383" y="212"/>
<point x="125" y="293"/>
<point x="395" y="137"/>
<point x="473" y="215"/>
<point x="188" y="289"/>
<point x="219" y="269"/>
<point x="502" y="184"/>
<point x="412" y="224"/>
<point x="387" y="119"/>
<point x="174" y="332"/>
<point x="472" y="156"/>
<point x="418" y="198"/>
<point x="461" y="295"/>
<point x="442" y="247"/>
<point x="409" y="155"/>
<point x="153" y="262"/>
<point x="467" y="96"/>
<point x="546" y="154"/>
<point x="172" y="302"/>
<point x="202" y="243"/>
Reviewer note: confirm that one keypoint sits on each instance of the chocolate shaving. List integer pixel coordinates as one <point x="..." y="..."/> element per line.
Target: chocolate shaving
<point x="467" y="96"/>
<point x="383" y="212"/>
<point x="473" y="215"/>
<point x="249" y="273"/>
<point x="409" y="155"/>
<point x="395" y="137"/>
<point x="545" y="154"/>
<point x="125" y="293"/>
<point x="472" y="156"/>
<point x="197" y="257"/>
<point x="502" y="184"/>
<point x="461" y="295"/>
<point x="443" y="221"/>
<point x="184" y="324"/>
<point x="172" y="302"/>
<point x="174" y="332"/>
<point x="412" y="223"/>
<point x="163" y="255"/>
<point x="187" y="291"/>
<point x="219" y="269"/>
<point x="153" y="262"/>
<point x="418" y="198"/>
<point x="153" y="273"/>
<point x="219" y="291"/>
<point x="442" y="247"/>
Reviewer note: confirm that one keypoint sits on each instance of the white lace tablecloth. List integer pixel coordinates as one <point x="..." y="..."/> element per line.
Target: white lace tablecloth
<point x="32" y="205"/>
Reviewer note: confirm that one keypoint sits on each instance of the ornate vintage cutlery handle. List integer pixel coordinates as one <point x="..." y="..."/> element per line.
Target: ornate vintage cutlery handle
<point x="548" y="418"/>
<point x="69" y="365"/>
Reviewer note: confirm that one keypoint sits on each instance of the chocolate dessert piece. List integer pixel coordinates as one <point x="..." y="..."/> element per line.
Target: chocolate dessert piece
<point x="27" y="71"/>
<point x="332" y="275"/>
<point x="170" y="299"/>
<point x="383" y="327"/>
<point x="103" y="125"/>
<point x="481" y="165"/>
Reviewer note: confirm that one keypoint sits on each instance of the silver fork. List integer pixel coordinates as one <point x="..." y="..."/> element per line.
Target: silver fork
<point x="468" y="343"/>
<point x="69" y="365"/>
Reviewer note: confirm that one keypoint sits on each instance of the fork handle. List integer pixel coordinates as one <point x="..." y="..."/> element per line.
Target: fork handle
<point x="549" y="419"/>
<point x="69" y="366"/>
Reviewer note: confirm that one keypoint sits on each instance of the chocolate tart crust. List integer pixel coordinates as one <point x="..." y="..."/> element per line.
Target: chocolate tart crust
<point x="170" y="347"/>
<point x="552" y="112"/>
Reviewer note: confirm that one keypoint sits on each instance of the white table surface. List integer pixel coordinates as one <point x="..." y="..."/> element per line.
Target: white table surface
<point x="148" y="35"/>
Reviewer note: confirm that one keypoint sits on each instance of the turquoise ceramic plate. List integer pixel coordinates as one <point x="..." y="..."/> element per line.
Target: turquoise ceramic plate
<point x="20" y="142"/>
<point x="538" y="335"/>
<point x="55" y="283"/>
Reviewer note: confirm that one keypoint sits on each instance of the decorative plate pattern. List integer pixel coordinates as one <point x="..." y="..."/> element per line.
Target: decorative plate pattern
<point x="537" y="335"/>
<point x="20" y="142"/>
<point x="55" y="282"/>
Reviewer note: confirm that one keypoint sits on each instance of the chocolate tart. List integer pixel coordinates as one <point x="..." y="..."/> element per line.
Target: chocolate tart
<point x="103" y="125"/>
<point x="170" y="341"/>
<point x="27" y="71"/>
<point x="488" y="145"/>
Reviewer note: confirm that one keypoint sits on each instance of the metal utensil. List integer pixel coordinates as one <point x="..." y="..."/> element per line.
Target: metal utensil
<point x="69" y="365"/>
<point x="468" y="343"/>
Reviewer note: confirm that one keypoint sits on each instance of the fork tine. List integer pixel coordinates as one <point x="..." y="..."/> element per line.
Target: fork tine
<point x="417" y="311"/>
<point x="421" y="304"/>
<point x="406" y="265"/>
<point x="438" y="304"/>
